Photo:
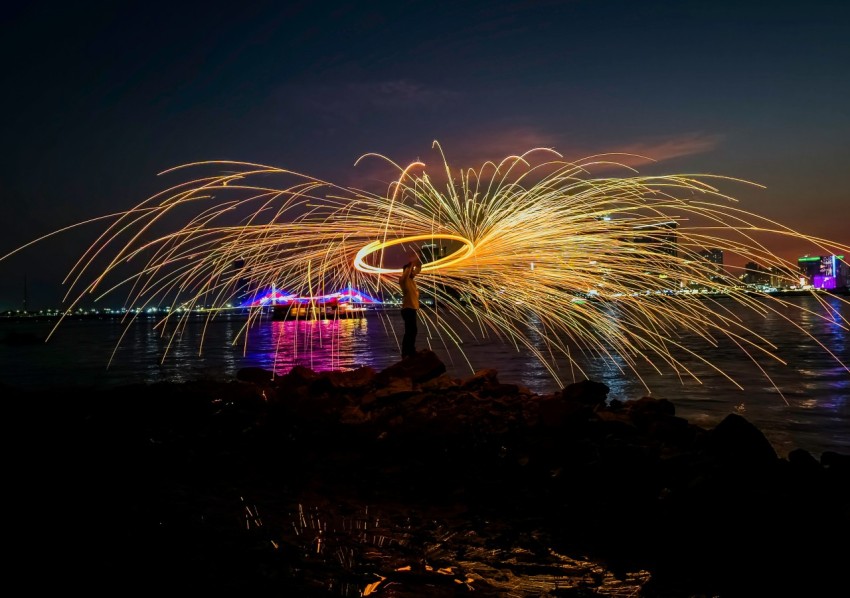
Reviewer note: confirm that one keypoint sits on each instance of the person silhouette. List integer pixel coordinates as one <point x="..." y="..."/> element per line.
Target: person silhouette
<point x="409" y="304"/>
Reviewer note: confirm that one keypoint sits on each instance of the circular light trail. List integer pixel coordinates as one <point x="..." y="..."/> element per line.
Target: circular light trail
<point x="562" y="259"/>
<point x="444" y="262"/>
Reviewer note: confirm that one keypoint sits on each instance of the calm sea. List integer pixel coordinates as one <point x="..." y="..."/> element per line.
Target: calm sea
<point x="807" y="404"/>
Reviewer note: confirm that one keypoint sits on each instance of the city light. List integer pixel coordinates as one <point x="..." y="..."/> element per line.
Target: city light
<point x="533" y="250"/>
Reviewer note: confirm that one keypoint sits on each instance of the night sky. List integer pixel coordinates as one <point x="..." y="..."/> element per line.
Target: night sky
<point x="98" y="101"/>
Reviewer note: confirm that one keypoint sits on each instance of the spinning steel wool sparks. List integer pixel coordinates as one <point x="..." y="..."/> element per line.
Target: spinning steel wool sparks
<point x="533" y="250"/>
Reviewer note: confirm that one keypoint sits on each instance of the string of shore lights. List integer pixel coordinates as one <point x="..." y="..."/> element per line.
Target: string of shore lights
<point x="540" y="252"/>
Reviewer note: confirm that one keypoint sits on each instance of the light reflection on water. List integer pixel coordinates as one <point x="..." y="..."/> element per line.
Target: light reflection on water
<point x="817" y="389"/>
<point x="346" y="549"/>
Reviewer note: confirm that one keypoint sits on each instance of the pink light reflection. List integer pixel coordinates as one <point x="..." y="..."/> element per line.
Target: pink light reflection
<point x="321" y="345"/>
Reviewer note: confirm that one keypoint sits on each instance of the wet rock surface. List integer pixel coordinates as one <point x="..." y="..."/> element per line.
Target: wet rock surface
<point x="407" y="482"/>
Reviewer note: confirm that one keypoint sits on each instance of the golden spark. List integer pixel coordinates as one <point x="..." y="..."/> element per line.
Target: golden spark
<point x="534" y="250"/>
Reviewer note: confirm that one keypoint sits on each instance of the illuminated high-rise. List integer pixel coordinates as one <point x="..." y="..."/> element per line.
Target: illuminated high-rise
<point x="661" y="236"/>
<point x="659" y="241"/>
<point x="824" y="271"/>
<point x="714" y="256"/>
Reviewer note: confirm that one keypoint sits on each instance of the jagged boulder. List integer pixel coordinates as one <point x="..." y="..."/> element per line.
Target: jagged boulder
<point x="255" y="375"/>
<point x="627" y="483"/>
<point x="421" y="367"/>
<point x="358" y="378"/>
<point x="737" y="441"/>
<point x="586" y="392"/>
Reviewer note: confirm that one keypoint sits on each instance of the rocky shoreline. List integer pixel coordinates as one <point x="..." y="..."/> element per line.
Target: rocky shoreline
<point x="407" y="482"/>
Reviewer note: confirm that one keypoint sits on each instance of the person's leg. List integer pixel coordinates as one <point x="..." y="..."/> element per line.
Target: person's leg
<point x="408" y="341"/>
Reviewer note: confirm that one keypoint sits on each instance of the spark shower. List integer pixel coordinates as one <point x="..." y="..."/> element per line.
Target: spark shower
<point x="556" y="257"/>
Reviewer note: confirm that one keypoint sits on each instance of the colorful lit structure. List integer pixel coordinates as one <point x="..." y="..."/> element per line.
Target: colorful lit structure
<point x="827" y="272"/>
<point x="349" y="295"/>
<point x="524" y="237"/>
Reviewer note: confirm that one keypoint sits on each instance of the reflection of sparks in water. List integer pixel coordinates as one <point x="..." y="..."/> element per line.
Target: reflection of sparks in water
<point x="536" y="252"/>
<point x="361" y="553"/>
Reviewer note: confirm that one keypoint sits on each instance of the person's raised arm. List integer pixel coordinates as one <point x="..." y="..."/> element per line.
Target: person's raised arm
<point x="415" y="264"/>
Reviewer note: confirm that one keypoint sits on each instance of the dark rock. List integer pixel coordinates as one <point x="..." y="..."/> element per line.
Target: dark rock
<point x="351" y="379"/>
<point x="586" y="392"/>
<point x="555" y="412"/>
<point x="803" y="460"/>
<point x="650" y="406"/>
<point x="210" y="487"/>
<point x="480" y="379"/>
<point x="256" y="375"/>
<point x="836" y="462"/>
<point x="485" y="383"/>
<point x="421" y="367"/>
<point x="736" y="441"/>
<point x="672" y="431"/>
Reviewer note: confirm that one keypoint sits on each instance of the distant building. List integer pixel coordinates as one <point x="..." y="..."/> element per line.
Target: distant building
<point x="661" y="236"/>
<point x="714" y="256"/>
<point x="824" y="271"/>
<point x="781" y="278"/>
<point x="241" y="289"/>
<point x="659" y="245"/>
<point x="755" y="274"/>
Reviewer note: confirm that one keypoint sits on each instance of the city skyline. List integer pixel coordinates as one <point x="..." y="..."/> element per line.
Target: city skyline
<point x="101" y="101"/>
<point x="752" y="273"/>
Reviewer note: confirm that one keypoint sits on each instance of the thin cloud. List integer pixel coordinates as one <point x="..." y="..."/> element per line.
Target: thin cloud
<point x="659" y="150"/>
<point x="472" y="149"/>
<point x="469" y="150"/>
<point x="475" y="148"/>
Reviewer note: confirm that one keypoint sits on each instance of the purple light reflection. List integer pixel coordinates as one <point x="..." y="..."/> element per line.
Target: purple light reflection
<point x="321" y="345"/>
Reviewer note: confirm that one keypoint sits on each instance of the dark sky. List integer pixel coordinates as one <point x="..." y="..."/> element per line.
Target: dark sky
<point x="97" y="100"/>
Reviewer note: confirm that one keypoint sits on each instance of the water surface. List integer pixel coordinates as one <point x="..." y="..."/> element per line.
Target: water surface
<point x="802" y="401"/>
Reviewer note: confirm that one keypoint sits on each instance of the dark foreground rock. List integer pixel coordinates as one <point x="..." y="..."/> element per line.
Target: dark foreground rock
<point x="407" y="482"/>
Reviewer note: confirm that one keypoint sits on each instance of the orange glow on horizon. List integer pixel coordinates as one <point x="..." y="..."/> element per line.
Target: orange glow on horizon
<point x="611" y="255"/>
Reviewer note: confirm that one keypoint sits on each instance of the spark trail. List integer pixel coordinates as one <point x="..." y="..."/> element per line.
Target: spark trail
<point x="538" y="251"/>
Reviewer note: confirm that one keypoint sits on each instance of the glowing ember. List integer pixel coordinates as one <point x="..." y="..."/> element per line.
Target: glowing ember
<point x="538" y="252"/>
